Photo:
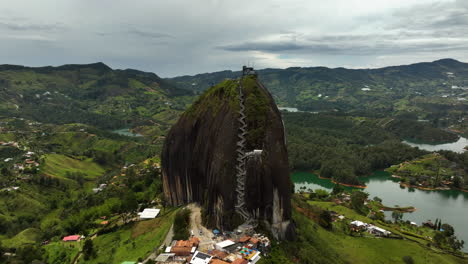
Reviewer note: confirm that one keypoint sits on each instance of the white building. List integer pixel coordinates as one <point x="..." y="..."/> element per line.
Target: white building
<point x="358" y="223"/>
<point x="255" y="258"/>
<point x="200" y="258"/>
<point x="224" y="244"/>
<point x="149" y="213"/>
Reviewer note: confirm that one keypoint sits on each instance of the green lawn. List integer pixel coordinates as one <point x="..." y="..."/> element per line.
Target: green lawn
<point x="378" y="250"/>
<point x="133" y="241"/>
<point x="382" y="250"/>
<point x="57" y="165"/>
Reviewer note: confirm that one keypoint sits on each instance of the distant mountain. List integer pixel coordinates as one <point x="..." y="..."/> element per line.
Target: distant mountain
<point x="425" y="90"/>
<point x="91" y="93"/>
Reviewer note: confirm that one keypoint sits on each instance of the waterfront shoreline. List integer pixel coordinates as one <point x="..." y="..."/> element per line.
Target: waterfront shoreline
<point x="344" y="184"/>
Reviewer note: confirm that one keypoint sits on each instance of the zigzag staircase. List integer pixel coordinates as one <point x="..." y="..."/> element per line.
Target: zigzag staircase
<point x="241" y="172"/>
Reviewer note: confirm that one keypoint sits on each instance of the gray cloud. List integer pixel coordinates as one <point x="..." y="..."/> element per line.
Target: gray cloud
<point x="263" y="46"/>
<point x="433" y="17"/>
<point x="340" y="47"/>
<point x="30" y="26"/>
<point x="149" y="34"/>
<point x="187" y="37"/>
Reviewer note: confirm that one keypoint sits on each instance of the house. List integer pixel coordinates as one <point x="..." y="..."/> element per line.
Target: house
<point x="218" y="261"/>
<point x="164" y="257"/>
<point x="29" y="154"/>
<point x="218" y="254"/>
<point x="255" y="258"/>
<point x="181" y="251"/>
<point x="244" y="239"/>
<point x="254" y="241"/>
<point x="149" y="213"/>
<point x="200" y="258"/>
<point x="378" y="231"/>
<point x="240" y="261"/>
<point x="357" y="223"/>
<point x="251" y="255"/>
<point x="224" y="244"/>
<point x="429" y="224"/>
<point x="71" y="238"/>
<point x="192" y="242"/>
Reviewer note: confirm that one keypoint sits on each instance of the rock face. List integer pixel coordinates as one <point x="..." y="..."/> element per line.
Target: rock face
<point x="199" y="158"/>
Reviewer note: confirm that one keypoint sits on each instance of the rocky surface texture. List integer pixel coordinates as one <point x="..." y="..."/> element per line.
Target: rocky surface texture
<point x="199" y="158"/>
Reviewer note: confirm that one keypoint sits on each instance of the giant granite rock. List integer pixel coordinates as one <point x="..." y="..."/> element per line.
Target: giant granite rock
<point x="199" y="158"/>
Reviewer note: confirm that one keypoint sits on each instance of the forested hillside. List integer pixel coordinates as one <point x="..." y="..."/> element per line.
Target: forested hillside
<point x="434" y="91"/>
<point x="91" y="94"/>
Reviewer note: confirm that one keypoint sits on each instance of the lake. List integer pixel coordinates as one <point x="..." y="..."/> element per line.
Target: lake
<point x="457" y="146"/>
<point x="450" y="206"/>
<point x="126" y="132"/>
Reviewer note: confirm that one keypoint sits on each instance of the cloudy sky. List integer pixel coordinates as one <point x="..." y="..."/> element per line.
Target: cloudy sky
<point x="177" y="37"/>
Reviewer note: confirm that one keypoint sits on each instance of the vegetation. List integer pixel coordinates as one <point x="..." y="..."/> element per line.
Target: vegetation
<point x="421" y="91"/>
<point x="434" y="170"/>
<point x="345" y="245"/>
<point x="182" y="225"/>
<point x="65" y="117"/>
<point x="342" y="147"/>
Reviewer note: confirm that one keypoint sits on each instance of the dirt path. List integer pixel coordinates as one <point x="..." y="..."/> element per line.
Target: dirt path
<point x="205" y="236"/>
<point x="195" y="227"/>
<point x="167" y="241"/>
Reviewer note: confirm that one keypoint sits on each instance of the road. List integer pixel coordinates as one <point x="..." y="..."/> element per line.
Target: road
<point x="167" y="241"/>
<point x="206" y="241"/>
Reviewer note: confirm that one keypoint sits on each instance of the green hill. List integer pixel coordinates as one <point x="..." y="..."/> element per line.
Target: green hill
<point x="92" y="94"/>
<point x="429" y="91"/>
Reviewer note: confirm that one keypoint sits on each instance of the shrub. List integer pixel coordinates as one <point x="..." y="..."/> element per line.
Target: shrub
<point x="181" y="225"/>
<point x="408" y="260"/>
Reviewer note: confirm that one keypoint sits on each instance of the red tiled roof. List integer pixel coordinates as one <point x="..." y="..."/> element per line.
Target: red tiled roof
<point x="192" y="242"/>
<point x="217" y="261"/>
<point x="195" y="241"/>
<point x="240" y="261"/>
<point x="181" y="251"/>
<point x="244" y="239"/>
<point x="219" y="254"/>
<point x="254" y="240"/>
<point x="183" y="243"/>
<point x="72" y="238"/>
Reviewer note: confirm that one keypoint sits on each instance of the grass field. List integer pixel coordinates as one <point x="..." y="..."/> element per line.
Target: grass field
<point x="378" y="250"/>
<point x="25" y="237"/>
<point x="61" y="252"/>
<point x="382" y="250"/>
<point x="57" y="165"/>
<point x="7" y="137"/>
<point x="133" y="241"/>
